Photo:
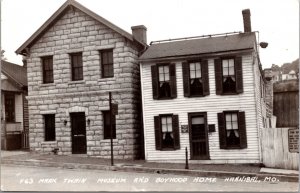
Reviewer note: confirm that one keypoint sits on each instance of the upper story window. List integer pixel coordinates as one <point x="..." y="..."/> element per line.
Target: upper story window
<point x="167" y="132"/>
<point x="47" y="63"/>
<point x="107" y="64"/>
<point x="49" y="127"/>
<point x="9" y="100"/>
<point x="229" y="75"/>
<point x="229" y="80"/>
<point x="164" y="81"/>
<point x="195" y="78"/>
<point x="77" y="67"/>
<point x="232" y="130"/>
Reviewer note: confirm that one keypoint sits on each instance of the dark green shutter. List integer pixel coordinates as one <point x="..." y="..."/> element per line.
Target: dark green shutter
<point x="239" y="74"/>
<point x="242" y="129"/>
<point x="172" y="68"/>
<point x="186" y="78"/>
<point x="175" y="126"/>
<point x="155" y="85"/>
<point x="218" y="76"/>
<point x="222" y="130"/>
<point x="158" y="134"/>
<point x="205" y="78"/>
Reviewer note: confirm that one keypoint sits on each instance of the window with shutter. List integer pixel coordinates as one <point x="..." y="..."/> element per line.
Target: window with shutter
<point x="232" y="130"/>
<point x="195" y="78"/>
<point x="49" y="127"/>
<point x="166" y="132"/>
<point x="164" y="81"/>
<point x="229" y="75"/>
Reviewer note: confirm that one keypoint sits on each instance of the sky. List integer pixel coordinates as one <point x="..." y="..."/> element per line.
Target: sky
<point x="276" y="20"/>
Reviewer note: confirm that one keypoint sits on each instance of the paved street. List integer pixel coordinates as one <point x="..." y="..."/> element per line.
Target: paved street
<point x="21" y="178"/>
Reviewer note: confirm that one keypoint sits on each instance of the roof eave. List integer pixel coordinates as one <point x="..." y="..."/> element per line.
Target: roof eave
<point x="193" y="56"/>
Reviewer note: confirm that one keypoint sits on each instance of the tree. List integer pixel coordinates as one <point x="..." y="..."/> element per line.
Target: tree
<point x="2" y="55"/>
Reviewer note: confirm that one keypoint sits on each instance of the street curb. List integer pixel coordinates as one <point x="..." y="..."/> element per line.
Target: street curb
<point x="199" y="173"/>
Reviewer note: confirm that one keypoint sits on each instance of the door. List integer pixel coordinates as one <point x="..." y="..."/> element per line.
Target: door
<point x="198" y="136"/>
<point x="78" y="133"/>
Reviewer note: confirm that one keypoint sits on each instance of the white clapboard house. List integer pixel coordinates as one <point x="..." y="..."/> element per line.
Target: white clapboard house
<point x="205" y="94"/>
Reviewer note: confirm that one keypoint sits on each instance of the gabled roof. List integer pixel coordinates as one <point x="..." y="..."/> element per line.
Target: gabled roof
<point x="14" y="72"/>
<point x="59" y="13"/>
<point x="206" y="45"/>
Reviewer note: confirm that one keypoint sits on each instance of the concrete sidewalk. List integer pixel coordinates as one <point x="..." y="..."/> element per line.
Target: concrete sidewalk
<point x="201" y="170"/>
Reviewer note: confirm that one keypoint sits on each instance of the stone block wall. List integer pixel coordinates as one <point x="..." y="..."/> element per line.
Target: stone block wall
<point x="77" y="32"/>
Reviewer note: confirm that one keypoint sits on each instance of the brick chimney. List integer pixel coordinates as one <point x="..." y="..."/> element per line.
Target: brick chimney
<point x="140" y="33"/>
<point x="247" y="20"/>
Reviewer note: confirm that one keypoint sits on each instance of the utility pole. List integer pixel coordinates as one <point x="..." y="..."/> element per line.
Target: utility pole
<point x="111" y="130"/>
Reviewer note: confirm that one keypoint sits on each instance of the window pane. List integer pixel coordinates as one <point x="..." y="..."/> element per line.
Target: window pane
<point x="192" y="66"/>
<point x="198" y="66"/>
<point x="198" y="73"/>
<point x="228" y="117"/>
<point x="110" y="57"/>
<point x="164" y="128"/>
<point x="228" y="125"/>
<point x="167" y="77"/>
<point x="161" y="70"/>
<point x="169" y="120"/>
<point x="225" y="63"/>
<point x="234" y="117"/>
<point x="192" y="74"/>
<point x="166" y="69"/>
<point x="234" y="125"/>
<point x="161" y="77"/>
<point x="197" y="120"/>
<point x="231" y="71"/>
<point x="231" y="63"/>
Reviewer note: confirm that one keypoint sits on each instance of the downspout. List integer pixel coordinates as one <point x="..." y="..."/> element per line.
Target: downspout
<point x="255" y="57"/>
<point x="143" y="105"/>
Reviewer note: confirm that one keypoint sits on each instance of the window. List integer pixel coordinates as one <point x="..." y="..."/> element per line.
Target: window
<point x="76" y="63"/>
<point x="107" y="63"/>
<point x="164" y="81"/>
<point x="49" y="127"/>
<point x="166" y="132"/>
<point x="232" y="130"/>
<point x="195" y="78"/>
<point x="9" y="107"/>
<point x="47" y="69"/>
<point x="106" y="124"/>
<point x="229" y="75"/>
<point x="229" y="79"/>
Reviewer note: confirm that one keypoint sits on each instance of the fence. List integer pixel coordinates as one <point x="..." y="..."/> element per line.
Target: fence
<point x="280" y="148"/>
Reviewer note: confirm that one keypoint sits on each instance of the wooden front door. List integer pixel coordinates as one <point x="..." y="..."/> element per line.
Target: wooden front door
<point x="198" y="136"/>
<point x="78" y="133"/>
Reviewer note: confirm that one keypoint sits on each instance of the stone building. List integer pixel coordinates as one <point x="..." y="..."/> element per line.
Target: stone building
<point x="73" y="61"/>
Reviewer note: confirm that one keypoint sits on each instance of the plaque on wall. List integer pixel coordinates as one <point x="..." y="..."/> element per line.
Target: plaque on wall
<point x="184" y="128"/>
<point x="294" y="140"/>
<point x="211" y="128"/>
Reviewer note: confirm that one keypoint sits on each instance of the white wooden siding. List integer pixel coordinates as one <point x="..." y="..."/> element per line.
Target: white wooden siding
<point x="19" y="108"/>
<point x="212" y="104"/>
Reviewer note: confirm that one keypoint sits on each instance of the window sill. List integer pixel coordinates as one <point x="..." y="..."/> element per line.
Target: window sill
<point x="165" y="98"/>
<point x="48" y="142"/>
<point x="77" y="82"/>
<point x="233" y="93"/>
<point x="47" y="84"/>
